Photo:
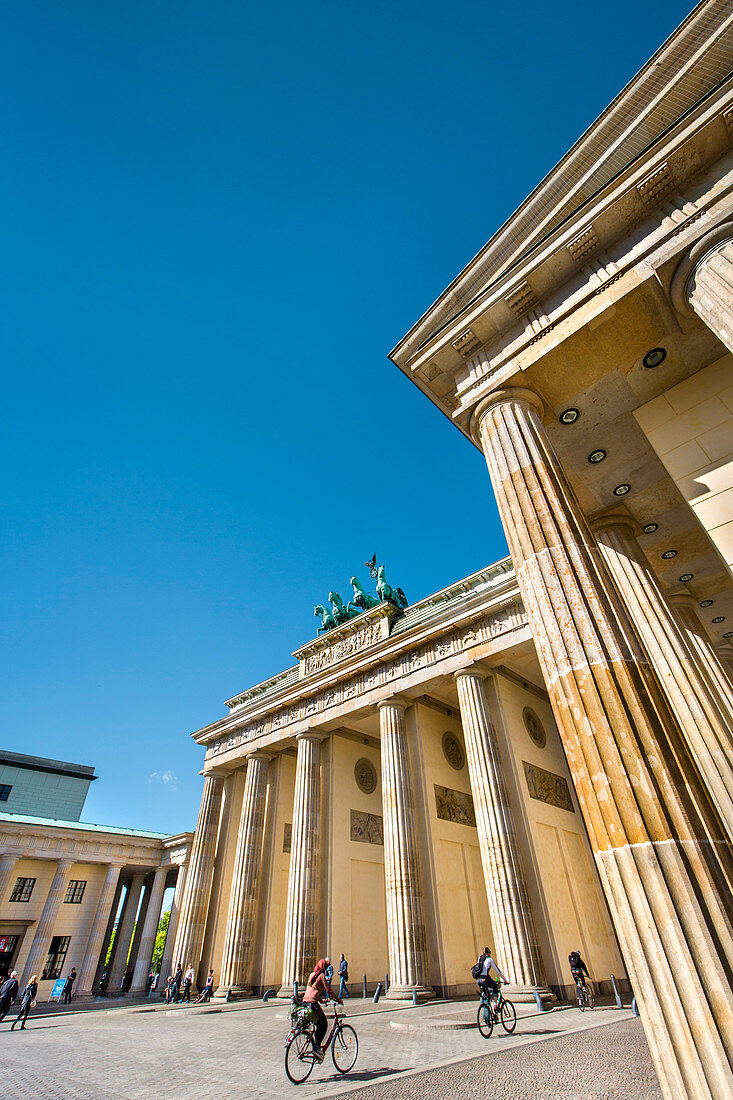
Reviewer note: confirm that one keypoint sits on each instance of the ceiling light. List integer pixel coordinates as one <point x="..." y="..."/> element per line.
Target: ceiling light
<point x="650" y="528"/>
<point x="719" y="619"/>
<point x="622" y="490"/>
<point x="569" y="416"/>
<point x="706" y="603"/>
<point x="597" y="456"/>
<point x="728" y="634"/>
<point x="669" y="554"/>
<point x="654" y="357"/>
<point x="686" y="577"/>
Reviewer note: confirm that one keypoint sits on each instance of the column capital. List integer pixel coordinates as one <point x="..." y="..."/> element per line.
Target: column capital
<point x="472" y="672"/>
<point x="683" y="599"/>
<point x="679" y="290"/>
<point x="501" y="397"/>
<point x="394" y="701"/>
<point x="65" y="864"/>
<point x="604" y="521"/>
<point x="215" y="773"/>
<point x="260" y="754"/>
<point x="311" y="735"/>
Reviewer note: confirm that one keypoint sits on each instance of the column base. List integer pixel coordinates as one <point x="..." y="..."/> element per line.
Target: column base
<point x="405" y="992"/>
<point x="232" y="993"/>
<point x="525" y="994"/>
<point x="285" y="992"/>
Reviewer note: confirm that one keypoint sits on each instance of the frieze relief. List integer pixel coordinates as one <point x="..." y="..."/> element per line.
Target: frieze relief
<point x="505" y="619"/>
<point x="366" y="828"/>
<point x="455" y="806"/>
<point x="547" y="787"/>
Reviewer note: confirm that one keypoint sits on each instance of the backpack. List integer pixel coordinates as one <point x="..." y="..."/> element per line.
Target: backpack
<point x="574" y="960"/>
<point x="477" y="968"/>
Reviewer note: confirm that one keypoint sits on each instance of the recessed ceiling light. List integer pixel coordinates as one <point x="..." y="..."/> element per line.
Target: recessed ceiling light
<point x="597" y="456"/>
<point x="669" y="554"/>
<point x="686" y="577"/>
<point x="728" y="634"/>
<point x="569" y="416"/>
<point x="706" y="603"/>
<point x="622" y="490"/>
<point x="654" y="357"/>
<point x="719" y="619"/>
<point x="650" y="528"/>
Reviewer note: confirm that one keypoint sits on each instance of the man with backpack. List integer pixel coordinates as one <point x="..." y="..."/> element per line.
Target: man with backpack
<point x="577" y="968"/>
<point x="480" y="971"/>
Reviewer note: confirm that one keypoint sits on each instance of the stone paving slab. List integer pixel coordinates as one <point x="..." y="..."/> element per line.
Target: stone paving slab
<point x="235" y="1051"/>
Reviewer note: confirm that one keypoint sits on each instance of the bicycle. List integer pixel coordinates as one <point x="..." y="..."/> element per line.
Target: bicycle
<point x="585" y="996"/>
<point x="489" y="1014"/>
<point x="300" y="1045"/>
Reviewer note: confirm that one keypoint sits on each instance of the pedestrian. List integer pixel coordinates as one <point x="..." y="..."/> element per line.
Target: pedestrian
<point x="27" y="1002"/>
<point x="343" y="978"/>
<point x="127" y="980"/>
<point x="177" y="979"/>
<point x="188" y="980"/>
<point x="150" y="982"/>
<point x="68" y="989"/>
<point x="8" y="993"/>
<point x="328" y="972"/>
<point x="205" y="995"/>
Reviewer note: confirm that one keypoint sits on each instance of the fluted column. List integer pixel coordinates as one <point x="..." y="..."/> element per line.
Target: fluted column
<point x="240" y="929"/>
<point x="7" y="866"/>
<point x="88" y="970"/>
<point x="125" y="931"/>
<point x="708" y="657"/>
<point x="726" y="659"/>
<point x="195" y="903"/>
<point x="515" y="941"/>
<point x="708" y="735"/>
<point x="149" y="931"/>
<point x="45" y="928"/>
<point x="710" y="289"/>
<point x="406" y="940"/>
<point x="301" y="922"/>
<point x="657" y="839"/>
<point x="166" y="962"/>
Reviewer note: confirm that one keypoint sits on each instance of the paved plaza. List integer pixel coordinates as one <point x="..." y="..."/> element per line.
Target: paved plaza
<point x="134" y="1053"/>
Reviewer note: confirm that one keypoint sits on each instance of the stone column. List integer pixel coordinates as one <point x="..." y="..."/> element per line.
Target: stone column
<point x="515" y="944"/>
<point x="703" y="282"/>
<point x="149" y="931"/>
<point x="301" y="922"/>
<point x="166" y="963"/>
<point x="657" y="839"/>
<point x="240" y="929"/>
<point x="708" y="658"/>
<point x="726" y="660"/>
<point x="406" y="941"/>
<point x="197" y="891"/>
<point x="88" y="969"/>
<point x="125" y="930"/>
<point x="44" y="929"/>
<point x="7" y="866"/>
<point x="709" y="737"/>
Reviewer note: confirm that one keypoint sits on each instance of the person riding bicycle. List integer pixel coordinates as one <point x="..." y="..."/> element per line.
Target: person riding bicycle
<point x="484" y="980"/>
<point x="578" y="968"/>
<point x="318" y="987"/>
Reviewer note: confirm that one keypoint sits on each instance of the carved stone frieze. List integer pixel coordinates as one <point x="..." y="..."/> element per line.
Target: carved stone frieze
<point x="455" y="806"/>
<point x="467" y="343"/>
<point x="547" y="787"/>
<point x="367" y="828"/>
<point x="521" y="299"/>
<point x="356" y="634"/>
<point x="656" y="185"/>
<point x="584" y="245"/>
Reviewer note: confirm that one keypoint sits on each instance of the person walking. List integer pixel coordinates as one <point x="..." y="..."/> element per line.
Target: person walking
<point x="8" y="993"/>
<point x="68" y="989"/>
<point x="343" y="978"/>
<point x="188" y="980"/>
<point x="27" y="1002"/>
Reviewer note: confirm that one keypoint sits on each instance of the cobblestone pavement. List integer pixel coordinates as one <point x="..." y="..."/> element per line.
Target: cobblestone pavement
<point x="236" y="1051"/>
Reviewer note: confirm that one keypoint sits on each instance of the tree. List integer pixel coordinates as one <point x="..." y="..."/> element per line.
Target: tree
<point x="160" y="937"/>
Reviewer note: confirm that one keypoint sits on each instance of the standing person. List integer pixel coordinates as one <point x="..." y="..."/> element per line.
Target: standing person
<point x="318" y="987"/>
<point x="177" y="979"/>
<point x="205" y="995"/>
<point x="485" y="982"/>
<point x="8" y="993"/>
<point x="27" y="1002"/>
<point x="150" y="982"/>
<point x="188" y="980"/>
<point x="343" y="978"/>
<point x="127" y="980"/>
<point x="68" y="987"/>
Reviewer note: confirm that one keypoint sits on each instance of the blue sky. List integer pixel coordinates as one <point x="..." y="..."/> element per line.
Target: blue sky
<point x="218" y="219"/>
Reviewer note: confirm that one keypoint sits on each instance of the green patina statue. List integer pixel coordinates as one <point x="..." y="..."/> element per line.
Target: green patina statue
<point x="387" y="594"/>
<point x="341" y="612"/>
<point x="362" y="601"/>
<point x="327" y="620"/>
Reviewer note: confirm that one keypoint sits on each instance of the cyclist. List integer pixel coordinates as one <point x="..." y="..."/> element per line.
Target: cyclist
<point x="578" y="968"/>
<point x="484" y="980"/>
<point x="318" y="987"/>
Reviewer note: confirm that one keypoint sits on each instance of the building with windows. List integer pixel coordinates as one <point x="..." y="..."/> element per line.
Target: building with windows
<point x="541" y="755"/>
<point x="47" y="788"/>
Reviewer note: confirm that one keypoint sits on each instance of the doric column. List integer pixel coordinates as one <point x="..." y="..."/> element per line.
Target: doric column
<point x="301" y="922"/>
<point x="195" y="903"/>
<point x="149" y="931"/>
<point x="240" y="929"/>
<point x="44" y="929"/>
<point x="709" y="662"/>
<point x="166" y="962"/>
<point x="88" y="970"/>
<point x="726" y="660"/>
<point x="703" y="282"/>
<point x="515" y="941"/>
<point x="406" y="941"/>
<point x="125" y="930"/>
<point x="7" y="866"/>
<point x="709" y="737"/>
<point x="656" y="837"/>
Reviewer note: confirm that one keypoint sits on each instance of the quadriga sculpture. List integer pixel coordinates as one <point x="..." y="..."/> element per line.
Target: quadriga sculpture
<point x="327" y="620"/>
<point x="362" y="600"/>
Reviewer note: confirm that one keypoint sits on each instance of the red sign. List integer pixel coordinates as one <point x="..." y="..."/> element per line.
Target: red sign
<point x="5" y="942"/>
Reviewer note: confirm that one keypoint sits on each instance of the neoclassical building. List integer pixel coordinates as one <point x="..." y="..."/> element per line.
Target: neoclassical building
<point x="541" y="755"/>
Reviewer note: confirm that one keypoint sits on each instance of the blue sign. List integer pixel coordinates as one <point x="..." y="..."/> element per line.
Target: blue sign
<point x="58" y="988"/>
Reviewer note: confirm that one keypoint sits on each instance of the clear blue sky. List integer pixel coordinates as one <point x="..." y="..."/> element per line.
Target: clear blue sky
<point x="217" y="220"/>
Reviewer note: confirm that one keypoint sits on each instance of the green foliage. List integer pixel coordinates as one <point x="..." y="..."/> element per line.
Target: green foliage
<point x="160" y="936"/>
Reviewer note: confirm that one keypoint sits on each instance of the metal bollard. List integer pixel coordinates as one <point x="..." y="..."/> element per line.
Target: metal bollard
<point x="377" y="991"/>
<point x="414" y="998"/>
<point x="616" y="993"/>
<point x="538" y="1000"/>
<point x="269" y="993"/>
<point x="364" y="988"/>
<point x="295" y="992"/>
<point x="386" y="982"/>
<point x="635" y="1007"/>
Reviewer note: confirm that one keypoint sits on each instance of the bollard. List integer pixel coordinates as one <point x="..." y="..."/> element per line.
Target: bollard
<point x="269" y="993"/>
<point x="538" y="1000"/>
<point x="616" y="993"/>
<point x="386" y="982"/>
<point x="414" y="998"/>
<point x="377" y="991"/>
<point x="635" y="1007"/>
<point x="295" y="992"/>
<point x="364" y="988"/>
<point x="228" y="997"/>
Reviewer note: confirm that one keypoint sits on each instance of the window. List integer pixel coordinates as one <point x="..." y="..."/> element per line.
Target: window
<point x="5" y="789"/>
<point x="23" y="889"/>
<point x="75" y="891"/>
<point x="56" y="956"/>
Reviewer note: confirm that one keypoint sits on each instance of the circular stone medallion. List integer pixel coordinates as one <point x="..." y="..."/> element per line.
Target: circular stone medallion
<point x="534" y="727"/>
<point x="453" y="751"/>
<point x="365" y="775"/>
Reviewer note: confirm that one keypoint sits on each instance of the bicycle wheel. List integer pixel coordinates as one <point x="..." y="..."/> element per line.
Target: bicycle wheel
<point x="485" y="1020"/>
<point x="344" y="1048"/>
<point x="299" y="1057"/>
<point x="589" y="997"/>
<point x="508" y="1016"/>
<point x="581" y="999"/>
